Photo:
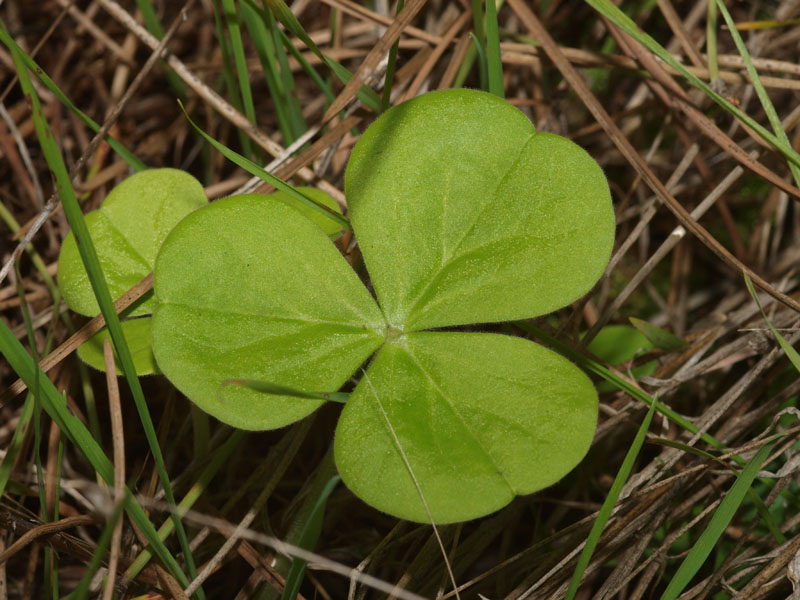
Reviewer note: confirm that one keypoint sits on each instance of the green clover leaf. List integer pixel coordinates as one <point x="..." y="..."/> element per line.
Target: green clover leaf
<point x="480" y="418"/>
<point x="127" y="231"/>
<point x="464" y="215"/>
<point x="250" y="288"/>
<point x="137" y="334"/>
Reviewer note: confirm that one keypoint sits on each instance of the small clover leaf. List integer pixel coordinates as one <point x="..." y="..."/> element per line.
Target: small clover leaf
<point x="619" y="344"/>
<point x="137" y="334"/>
<point x="464" y="215"/>
<point x="127" y="231"/>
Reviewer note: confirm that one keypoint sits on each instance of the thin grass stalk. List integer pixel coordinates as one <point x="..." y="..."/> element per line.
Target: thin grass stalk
<point x="18" y="437"/>
<point x="265" y="49"/>
<point x="716" y="527"/>
<point x="228" y="77"/>
<point x="240" y="64"/>
<point x="711" y="42"/>
<point x="284" y="15"/>
<point x="494" y="64"/>
<point x="306" y="66"/>
<point x="153" y="25"/>
<point x="481" y="56"/>
<point x="477" y="20"/>
<point x="296" y="120"/>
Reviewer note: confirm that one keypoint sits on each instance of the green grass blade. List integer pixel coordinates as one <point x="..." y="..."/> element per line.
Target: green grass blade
<point x="767" y="24"/>
<point x="494" y="64"/>
<point x="608" y="504"/>
<point x="26" y="314"/>
<point x="309" y="70"/>
<point x="53" y="555"/>
<point x="766" y="103"/>
<point x="285" y="16"/>
<point x="55" y="406"/>
<point x="308" y="539"/>
<point x="762" y="509"/>
<point x="716" y="527"/>
<point x="791" y="353"/>
<point x="296" y="119"/>
<point x="124" y="153"/>
<point x="265" y="387"/>
<point x="201" y="431"/>
<point x="257" y="171"/>
<point x="94" y="271"/>
<point x="239" y="61"/>
<point x="22" y="428"/>
<point x="711" y="42"/>
<point x="477" y="20"/>
<point x="481" y="55"/>
<point x="766" y="516"/>
<point x="466" y="66"/>
<point x="37" y="410"/>
<point x="265" y="48"/>
<point x="228" y="77"/>
<point x="621" y="20"/>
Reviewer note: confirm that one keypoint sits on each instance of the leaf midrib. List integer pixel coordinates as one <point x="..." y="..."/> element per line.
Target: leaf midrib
<point x="498" y="468"/>
<point x="134" y="250"/>
<point x="363" y="328"/>
<point x="447" y="260"/>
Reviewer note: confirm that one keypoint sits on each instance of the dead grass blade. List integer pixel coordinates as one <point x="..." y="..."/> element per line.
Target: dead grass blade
<point x="669" y="92"/>
<point x="118" y="437"/>
<point x="367" y="68"/>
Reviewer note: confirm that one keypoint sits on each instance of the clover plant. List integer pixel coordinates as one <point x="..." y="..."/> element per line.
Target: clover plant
<point x="464" y="215"/>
